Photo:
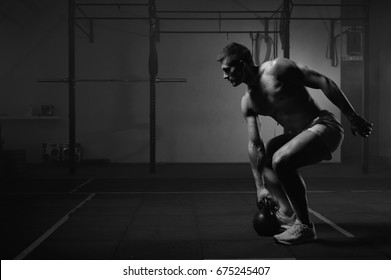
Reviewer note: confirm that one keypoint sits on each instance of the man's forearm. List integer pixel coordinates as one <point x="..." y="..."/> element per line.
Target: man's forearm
<point x="257" y="159"/>
<point x="338" y="98"/>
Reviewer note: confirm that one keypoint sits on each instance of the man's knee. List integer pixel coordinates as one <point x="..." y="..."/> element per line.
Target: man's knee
<point x="273" y="146"/>
<point x="270" y="177"/>
<point x="281" y="161"/>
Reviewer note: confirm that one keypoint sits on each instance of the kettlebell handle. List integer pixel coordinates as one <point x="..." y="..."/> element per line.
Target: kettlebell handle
<point x="267" y="201"/>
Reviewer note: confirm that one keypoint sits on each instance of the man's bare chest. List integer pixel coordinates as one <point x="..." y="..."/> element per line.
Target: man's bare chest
<point x="269" y="98"/>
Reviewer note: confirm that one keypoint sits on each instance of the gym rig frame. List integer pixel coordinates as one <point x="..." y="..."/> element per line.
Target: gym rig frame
<point x="282" y="14"/>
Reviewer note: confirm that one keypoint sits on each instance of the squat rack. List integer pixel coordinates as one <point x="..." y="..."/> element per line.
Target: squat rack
<point x="284" y="12"/>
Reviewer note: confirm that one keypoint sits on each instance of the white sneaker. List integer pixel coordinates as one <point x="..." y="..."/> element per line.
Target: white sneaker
<point x="285" y="221"/>
<point x="297" y="234"/>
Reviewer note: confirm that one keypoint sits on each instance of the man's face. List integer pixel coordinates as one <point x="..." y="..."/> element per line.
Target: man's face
<point x="233" y="71"/>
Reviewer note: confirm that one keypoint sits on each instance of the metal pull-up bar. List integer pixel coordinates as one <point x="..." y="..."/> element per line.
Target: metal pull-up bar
<point x="157" y="80"/>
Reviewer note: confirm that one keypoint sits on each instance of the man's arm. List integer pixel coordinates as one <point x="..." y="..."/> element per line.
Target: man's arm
<point x="256" y="152"/>
<point x="256" y="149"/>
<point x="310" y="78"/>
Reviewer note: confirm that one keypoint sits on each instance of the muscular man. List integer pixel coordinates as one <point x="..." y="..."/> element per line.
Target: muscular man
<point x="277" y="89"/>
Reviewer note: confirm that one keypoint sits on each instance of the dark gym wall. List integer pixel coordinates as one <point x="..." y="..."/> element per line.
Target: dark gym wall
<point x="380" y="82"/>
<point x="33" y="45"/>
<point x="198" y="121"/>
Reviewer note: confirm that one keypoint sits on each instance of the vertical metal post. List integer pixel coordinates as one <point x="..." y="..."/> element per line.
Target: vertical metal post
<point x="365" y="91"/>
<point x="72" y="86"/>
<point x="256" y="47"/>
<point x="332" y="42"/>
<point x="286" y="28"/>
<point x="153" y="70"/>
<point x="286" y="31"/>
<point x="275" y="37"/>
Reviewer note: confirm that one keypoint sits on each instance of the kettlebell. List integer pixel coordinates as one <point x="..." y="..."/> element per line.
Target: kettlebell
<point x="265" y="222"/>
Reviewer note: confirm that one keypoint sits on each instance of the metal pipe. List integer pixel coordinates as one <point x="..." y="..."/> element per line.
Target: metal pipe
<point x="327" y="5"/>
<point x="332" y="43"/>
<point x="171" y="80"/>
<point x="112" y="18"/>
<point x="174" y="18"/>
<point x="285" y="36"/>
<point x="214" y="12"/>
<point x="158" y="80"/>
<point x="111" y="4"/>
<point x="82" y="12"/>
<point x="286" y="28"/>
<point x="275" y="38"/>
<point x="326" y="18"/>
<point x="365" y="90"/>
<point x="82" y="29"/>
<point x="218" y="19"/>
<point x="212" y="32"/>
<point x="175" y="11"/>
<point x="71" y="87"/>
<point x="153" y="70"/>
<point x="215" y="18"/>
<point x="53" y="81"/>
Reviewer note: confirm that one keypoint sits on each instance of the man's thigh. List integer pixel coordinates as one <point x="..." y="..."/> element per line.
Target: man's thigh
<point x="304" y="149"/>
<point x="274" y="145"/>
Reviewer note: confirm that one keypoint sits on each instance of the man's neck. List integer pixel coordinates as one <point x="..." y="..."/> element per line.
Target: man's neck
<point x="252" y="76"/>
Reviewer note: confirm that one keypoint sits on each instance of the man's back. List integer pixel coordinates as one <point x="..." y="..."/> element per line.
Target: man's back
<point x="280" y="93"/>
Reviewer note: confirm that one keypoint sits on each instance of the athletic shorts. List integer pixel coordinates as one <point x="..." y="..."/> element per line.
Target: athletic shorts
<point x="329" y="129"/>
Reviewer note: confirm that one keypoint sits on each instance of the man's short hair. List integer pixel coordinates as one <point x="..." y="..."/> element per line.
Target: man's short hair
<point x="236" y="52"/>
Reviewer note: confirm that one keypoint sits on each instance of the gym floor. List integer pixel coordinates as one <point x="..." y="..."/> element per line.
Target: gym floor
<point x="185" y="212"/>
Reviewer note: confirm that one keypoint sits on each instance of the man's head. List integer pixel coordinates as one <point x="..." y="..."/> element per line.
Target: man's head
<point x="234" y="59"/>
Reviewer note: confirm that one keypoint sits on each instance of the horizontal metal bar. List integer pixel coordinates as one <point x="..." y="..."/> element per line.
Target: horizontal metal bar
<point x="259" y="18"/>
<point x="179" y="11"/>
<point x="171" y="80"/>
<point x="326" y="18"/>
<point x="215" y="18"/>
<point x="175" y="18"/>
<point x="110" y="4"/>
<point x="218" y="19"/>
<point x="212" y="32"/>
<point x="111" y="80"/>
<point x="328" y="5"/>
<point x="112" y="18"/>
<point x="53" y="81"/>
<point x="157" y="80"/>
<point x="214" y="12"/>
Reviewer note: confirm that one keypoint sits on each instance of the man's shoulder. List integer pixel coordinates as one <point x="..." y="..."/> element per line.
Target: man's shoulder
<point x="277" y="66"/>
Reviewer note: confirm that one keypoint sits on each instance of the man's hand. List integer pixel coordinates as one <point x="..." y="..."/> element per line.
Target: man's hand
<point x="262" y="196"/>
<point x="262" y="193"/>
<point x="360" y="126"/>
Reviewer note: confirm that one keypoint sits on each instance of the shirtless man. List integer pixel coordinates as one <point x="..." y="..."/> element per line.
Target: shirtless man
<point x="277" y="89"/>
